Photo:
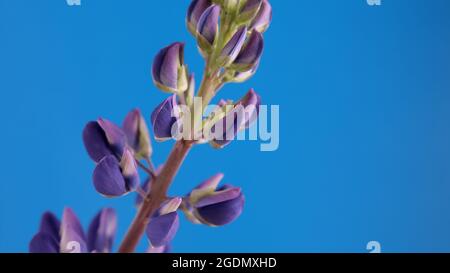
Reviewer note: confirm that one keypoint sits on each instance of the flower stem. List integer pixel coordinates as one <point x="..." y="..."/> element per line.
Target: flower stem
<point x="156" y="196"/>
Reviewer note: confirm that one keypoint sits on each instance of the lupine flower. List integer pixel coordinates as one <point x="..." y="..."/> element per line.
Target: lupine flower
<point x="233" y="47"/>
<point x="250" y="53"/>
<point x="169" y="72"/>
<point x="249" y="10"/>
<point x="164" y="118"/>
<point x="207" y="27"/>
<point x="114" y="178"/>
<point x="245" y="112"/>
<point x="262" y="20"/>
<point x="137" y="134"/>
<point x="164" y="223"/>
<point x="212" y="205"/>
<point x="102" y="138"/>
<point x="195" y="11"/>
<point x="68" y="236"/>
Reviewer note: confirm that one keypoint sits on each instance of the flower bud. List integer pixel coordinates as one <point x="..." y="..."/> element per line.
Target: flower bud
<point x="113" y="178"/>
<point x="239" y="77"/>
<point x="164" y="223"/>
<point x="169" y="72"/>
<point x="215" y="206"/>
<point x="233" y="47"/>
<point x="137" y="134"/>
<point x="195" y="11"/>
<point x="230" y="5"/>
<point x="262" y="20"/>
<point x="164" y="118"/>
<point x="245" y="112"/>
<point x="102" y="138"/>
<point x="207" y="28"/>
<point x="102" y="231"/>
<point x="250" y="53"/>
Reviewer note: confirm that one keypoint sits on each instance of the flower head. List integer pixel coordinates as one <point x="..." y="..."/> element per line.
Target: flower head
<point x="165" y="119"/>
<point x="195" y="11"/>
<point x="164" y="223"/>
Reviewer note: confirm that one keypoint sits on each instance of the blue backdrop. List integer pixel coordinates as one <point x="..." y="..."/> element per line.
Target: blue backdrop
<point x="364" y="95"/>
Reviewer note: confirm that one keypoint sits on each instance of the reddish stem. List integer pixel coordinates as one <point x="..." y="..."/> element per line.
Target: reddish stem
<point x="156" y="196"/>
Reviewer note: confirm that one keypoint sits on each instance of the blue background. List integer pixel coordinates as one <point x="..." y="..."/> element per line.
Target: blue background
<point x="364" y="94"/>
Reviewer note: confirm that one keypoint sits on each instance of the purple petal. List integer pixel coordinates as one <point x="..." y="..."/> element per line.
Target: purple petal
<point x="115" y="136"/>
<point x="44" y="243"/>
<point x="252" y="103"/>
<point x="208" y="24"/>
<point x="158" y="250"/>
<point x="162" y="229"/>
<point x="137" y="134"/>
<point x="222" y="213"/>
<point x="164" y="117"/>
<point x="108" y="178"/>
<point x="252" y="51"/>
<point x="129" y="170"/>
<point x="72" y="235"/>
<point x="211" y="183"/>
<point x="50" y="225"/>
<point x="95" y="141"/>
<point x="195" y="11"/>
<point x="263" y="18"/>
<point x="166" y="65"/>
<point x="251" y="5"/>
<point x="234" y="46"/>
<point x="218" y="197"/>
<point x="102" y="231"/>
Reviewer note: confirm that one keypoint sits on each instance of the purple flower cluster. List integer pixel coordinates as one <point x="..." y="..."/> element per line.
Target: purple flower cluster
<point x="229" y="35"/>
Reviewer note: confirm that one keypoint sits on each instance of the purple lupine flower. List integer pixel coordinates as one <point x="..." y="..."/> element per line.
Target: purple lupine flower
<point x="212" y="205"/>
<point x="262" y="20"/>
<point x="164" y="223"/>
<point x="169" y="72"/>
<point x="68" y="236"/>
<point x="165" y="119"/>
<point x="233" y="47"/>
<point x="243" y="114"/>
<point x="250" y="53"/>
<point x="207" y="27"/>
<point x="102" y="231"/>
<point x="137" y="134"/>
<point x="195" y="11"/>
<point x="102" y="138"/>
<point x="113" y="178"/>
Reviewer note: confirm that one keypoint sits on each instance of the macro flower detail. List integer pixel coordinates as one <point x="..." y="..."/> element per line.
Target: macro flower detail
<point x="229" y="36"/>
<point x="250" y="53"/>
<point x="68" y="236"/>
<point x="169" y="72"/>
<point x="102" y="138"/>
<point x="113" y="178"/>
<point x="243" y="114"/>
<point x="263" y="18"/>
<point x="195" y="11"/>
<point x="207" y="27"/>
<point x="165" y="119"/>
<point x="136" y="132"/>
<point x="164" y="224"/>
<point x="212" y="205"/>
